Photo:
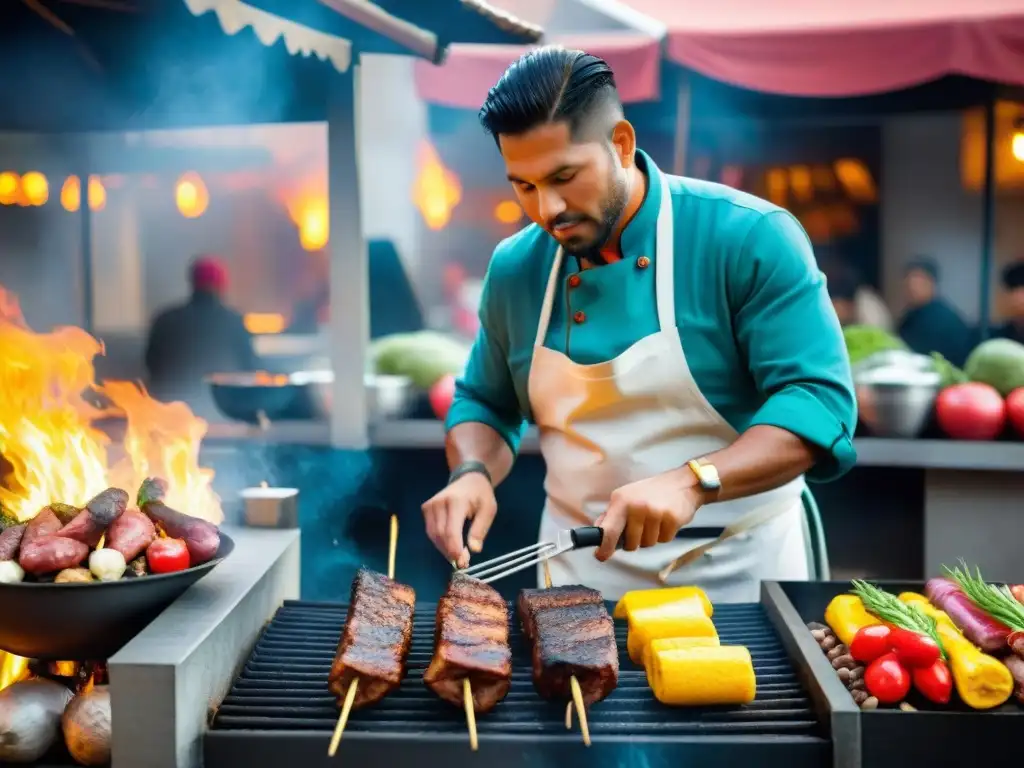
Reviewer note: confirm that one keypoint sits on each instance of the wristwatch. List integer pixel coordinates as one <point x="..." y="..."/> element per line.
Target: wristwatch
<point x="468" y="467"/>
<point x="707" y="477"/>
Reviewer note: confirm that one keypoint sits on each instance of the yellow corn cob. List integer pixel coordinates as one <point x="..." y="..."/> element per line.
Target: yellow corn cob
<point x="651" y="598"/>
<point x="676" y="643"/>
<point x="682" y="618"/>
<point x="701" y="677"/>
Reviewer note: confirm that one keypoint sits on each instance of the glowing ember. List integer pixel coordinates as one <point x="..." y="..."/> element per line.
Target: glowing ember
<point x="50" y="447"/>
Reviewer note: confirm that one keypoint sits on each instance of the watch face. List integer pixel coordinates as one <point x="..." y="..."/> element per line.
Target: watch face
<point x="709" y="478"/>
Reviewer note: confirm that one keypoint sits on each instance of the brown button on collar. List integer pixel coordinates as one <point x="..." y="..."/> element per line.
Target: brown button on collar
<point x="579" y="316"/>
<point x="643" y="262"/>
<point x="574" y="281"/>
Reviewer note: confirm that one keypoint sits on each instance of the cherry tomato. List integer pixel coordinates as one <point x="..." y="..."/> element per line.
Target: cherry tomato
<point x="935" y="682"/>
<point x="913" y="649"/>
<point x="870" y="642"/>
<point x="887" y="680"/>
<point x="167" y="555"/>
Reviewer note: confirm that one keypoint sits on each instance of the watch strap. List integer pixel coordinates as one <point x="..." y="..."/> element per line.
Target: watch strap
<point x="469" y="467"/>
<point x="707" y="477"/>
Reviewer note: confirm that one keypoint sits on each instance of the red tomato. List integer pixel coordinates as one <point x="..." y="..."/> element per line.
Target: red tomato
<point x="167" y="556"/>
<point x="887" y="680"/>
<point x="870" y="642"/>
<point x="913" y="649"/>
<point x="934" y="682"/>
<point x="441" y="396"/>
<point x="971" y="412"/>
<point x="1015" y="410"/>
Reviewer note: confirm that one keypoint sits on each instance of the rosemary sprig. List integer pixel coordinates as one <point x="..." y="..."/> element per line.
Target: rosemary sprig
<point x="997" y="601"/>
<point x="889" y="608"/>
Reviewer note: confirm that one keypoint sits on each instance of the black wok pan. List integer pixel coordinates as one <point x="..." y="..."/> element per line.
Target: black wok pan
<point x="89" y="622"/>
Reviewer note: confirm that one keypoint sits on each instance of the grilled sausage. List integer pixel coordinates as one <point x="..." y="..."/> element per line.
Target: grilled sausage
<point x="44" y="524"/>
<point x="51" y="553"/>
<point x="130" y="534"/>
<point x="92" y="522"/>
<point x="10" y="540"/>
<point x="201" y="538"/>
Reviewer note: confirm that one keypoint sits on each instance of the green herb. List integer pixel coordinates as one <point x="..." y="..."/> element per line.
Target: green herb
<point x="7" y="521"/>
<point x="997" y="601"/>
<point x="890" y="609"/>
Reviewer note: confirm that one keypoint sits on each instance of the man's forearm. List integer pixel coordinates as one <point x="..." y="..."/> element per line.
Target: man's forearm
<point x="474" y="441"/>
<point x="762" y="459"/>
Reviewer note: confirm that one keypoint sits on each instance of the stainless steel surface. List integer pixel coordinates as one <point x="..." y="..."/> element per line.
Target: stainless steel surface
<point x="271" y="507"/>
<point x="896" y="410"/>
<point x="513" y="562"/>
<point x="164" y="682"/>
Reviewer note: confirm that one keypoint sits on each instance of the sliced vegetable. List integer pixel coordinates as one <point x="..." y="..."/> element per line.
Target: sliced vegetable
<point x="997" y="601"/>
<point x="977" y="626"/>
<point x="682" y="618"/>
<point x="703" y="676"/>
<point x="982" y="682"/>
<point x="935" y="682"/>
<point x="167" y="556"/>
<point x="913" y="649"/>
<point x="846" y="615"/>
<point x="651" y="598"/>
<point x="870" y="642"/>
<point x="675" y="643"/>
<point x="107" y="564"/>
<point x="11" y="572"/>
<point x="887" y="679"/>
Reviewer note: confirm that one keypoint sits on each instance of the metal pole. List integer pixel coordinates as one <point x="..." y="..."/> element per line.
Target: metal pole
<point x="349" y="275"/>
<point x="988" y="225"/>
<point x="85" y="221"/>
<point x="681" y="140"/>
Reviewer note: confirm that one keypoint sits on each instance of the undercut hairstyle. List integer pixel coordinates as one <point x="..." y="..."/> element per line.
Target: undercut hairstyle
<point x="551" y="85"/>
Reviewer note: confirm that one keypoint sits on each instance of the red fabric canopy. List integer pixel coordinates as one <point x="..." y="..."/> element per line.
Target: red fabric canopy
<point x="842" y="47"/>
<point x="469" y="71"/>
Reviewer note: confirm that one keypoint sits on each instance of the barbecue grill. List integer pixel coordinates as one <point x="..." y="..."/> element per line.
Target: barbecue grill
<point x="279" y="712"/>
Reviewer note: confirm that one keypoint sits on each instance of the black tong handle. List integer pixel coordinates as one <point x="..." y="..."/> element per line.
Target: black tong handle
<point x="589" y="536"/>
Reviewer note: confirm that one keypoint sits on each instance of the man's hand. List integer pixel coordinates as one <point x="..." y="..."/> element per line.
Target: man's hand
<point x="471" y="497"/>
<point x="649" y="512"/>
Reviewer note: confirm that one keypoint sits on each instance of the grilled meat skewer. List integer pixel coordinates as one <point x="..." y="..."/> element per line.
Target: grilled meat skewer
<point x="471" y="641"/>
<point x="576" y="640"/>
<point x="376" y="639"/>
<point x="531" y="601"/>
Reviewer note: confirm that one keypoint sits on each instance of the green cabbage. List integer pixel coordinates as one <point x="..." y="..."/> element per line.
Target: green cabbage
<point x="998" y="363"/>
<point x="424" y="357"/>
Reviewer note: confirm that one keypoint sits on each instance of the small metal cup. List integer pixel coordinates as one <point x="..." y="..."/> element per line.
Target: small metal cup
<point x="271" y="507"/>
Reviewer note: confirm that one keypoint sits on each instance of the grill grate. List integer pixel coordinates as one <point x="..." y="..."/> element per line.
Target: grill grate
<point x="279" y="708"/>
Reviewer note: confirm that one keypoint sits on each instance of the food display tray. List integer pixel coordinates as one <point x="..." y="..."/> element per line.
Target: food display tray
<point x="932" y="736"/>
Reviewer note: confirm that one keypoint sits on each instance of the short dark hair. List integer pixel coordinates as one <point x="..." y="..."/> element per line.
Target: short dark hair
<point x="547" y="85"/>
<point x="1013" y="276"/>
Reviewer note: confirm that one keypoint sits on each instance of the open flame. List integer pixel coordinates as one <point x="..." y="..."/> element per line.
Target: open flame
<point x="51" y="448"/>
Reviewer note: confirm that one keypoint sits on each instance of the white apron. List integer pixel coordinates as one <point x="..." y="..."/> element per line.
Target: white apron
<point x="605" y="425"/>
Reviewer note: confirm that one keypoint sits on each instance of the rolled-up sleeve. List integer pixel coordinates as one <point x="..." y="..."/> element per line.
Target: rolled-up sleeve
<point x="486" y="393"/>
<point x="787" y="327"/>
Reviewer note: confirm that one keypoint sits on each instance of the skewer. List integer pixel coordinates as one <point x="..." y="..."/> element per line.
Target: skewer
<point x="577" y="693"/>
<point x="467" y="698"/>
<point x="350" y="697"/>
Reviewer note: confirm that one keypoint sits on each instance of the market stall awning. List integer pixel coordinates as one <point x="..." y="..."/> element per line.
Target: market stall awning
<point x="331" y="28"/>
<point x="820" y="48"/>
<point x="627" y="40"/>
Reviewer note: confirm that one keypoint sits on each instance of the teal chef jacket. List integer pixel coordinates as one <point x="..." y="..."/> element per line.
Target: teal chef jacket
<point x="758" y="329"/>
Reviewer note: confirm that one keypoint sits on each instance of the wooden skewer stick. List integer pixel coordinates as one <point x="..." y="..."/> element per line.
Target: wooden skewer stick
<point x="350" y="696"/>
<point x="467" y="699"/>
<point x="577" y="694"/>
<point x="346" y="708"/>
<point x="467" y="696"/>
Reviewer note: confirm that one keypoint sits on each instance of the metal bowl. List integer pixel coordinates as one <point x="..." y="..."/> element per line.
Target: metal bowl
<point x="891" y="409"/>
<point x="255" y="397"/>
<point x="388" y="397"/>
<point x="90" y="622"/>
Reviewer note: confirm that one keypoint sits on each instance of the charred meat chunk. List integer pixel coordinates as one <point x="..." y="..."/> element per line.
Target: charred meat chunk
<point x="376" y="639"/>
<point x="471" y="641"/>
<point x="531" y="601"/>
<point x="575" y="640"/>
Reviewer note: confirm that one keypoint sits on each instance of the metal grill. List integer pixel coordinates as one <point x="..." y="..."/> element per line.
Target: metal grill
<point x="279" y="712"/>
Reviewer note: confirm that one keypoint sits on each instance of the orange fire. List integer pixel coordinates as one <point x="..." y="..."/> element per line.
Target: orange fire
<point x="49" y="442"/>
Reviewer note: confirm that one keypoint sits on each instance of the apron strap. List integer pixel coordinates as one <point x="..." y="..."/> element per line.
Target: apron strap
<point x="664" y="260"/>
<point x="549" y="299"/>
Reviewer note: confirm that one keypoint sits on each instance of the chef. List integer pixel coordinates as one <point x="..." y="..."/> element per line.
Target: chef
<point x="672" y="339"/>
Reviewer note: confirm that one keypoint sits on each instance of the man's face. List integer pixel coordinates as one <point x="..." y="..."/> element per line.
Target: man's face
<point x="1015" y="304"/>
<point x="575" y="191"/>
<point x="919" y="287"/>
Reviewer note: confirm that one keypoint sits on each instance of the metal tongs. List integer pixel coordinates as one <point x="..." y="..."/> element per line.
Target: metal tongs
<point x="527" y="557"/>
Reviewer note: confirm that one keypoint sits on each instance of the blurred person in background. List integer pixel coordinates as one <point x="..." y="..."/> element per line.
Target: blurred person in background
<point x="1013" y="285"/>
<point x="855" y="301"/>
<point x="199" y="337"/>
<point x="842" y="289"/>
<point x="930" y="323"/>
